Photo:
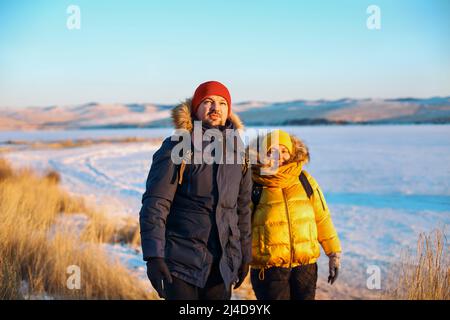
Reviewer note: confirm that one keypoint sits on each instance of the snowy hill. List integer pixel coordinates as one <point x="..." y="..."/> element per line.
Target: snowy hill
<point x="297" y="112"/>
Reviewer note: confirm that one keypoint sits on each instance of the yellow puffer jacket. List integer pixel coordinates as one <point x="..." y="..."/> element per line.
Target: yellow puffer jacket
<point x="287" y="226"/>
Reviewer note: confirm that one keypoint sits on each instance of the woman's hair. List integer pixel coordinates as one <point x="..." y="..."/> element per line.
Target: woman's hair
<point x="300" y="152"/>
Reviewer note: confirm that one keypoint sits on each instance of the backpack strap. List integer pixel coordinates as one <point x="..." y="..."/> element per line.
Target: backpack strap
<point x="245" y="165"/>
<point x="181" y="171"/>
<point x="182" y="166"/>
<point x="306" y="185"/>
<point x="256" y="194"/>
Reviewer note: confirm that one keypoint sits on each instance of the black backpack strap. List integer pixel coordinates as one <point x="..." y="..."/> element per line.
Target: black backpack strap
<point x="256" y="194"/>
<point x="306" y="185"/>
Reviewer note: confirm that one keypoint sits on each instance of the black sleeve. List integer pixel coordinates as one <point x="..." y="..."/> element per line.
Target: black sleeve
<point x="156" y="201"/>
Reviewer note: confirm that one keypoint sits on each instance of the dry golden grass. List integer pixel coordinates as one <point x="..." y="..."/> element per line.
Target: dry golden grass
<point x="34" y="252"/>
<point x="5" y="169"/>
<point x="424" y="275"/>
<point x="102" y="229"/>
<point x="9" y="281"/>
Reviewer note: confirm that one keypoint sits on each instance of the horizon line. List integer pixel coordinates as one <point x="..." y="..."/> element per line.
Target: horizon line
<point x="237" y="103"/>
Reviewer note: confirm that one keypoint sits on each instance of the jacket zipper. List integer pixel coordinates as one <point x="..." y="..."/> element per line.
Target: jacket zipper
<point x="189" y="180"/>
<point x="321" y="201"/>
<point x="289" y="227"/>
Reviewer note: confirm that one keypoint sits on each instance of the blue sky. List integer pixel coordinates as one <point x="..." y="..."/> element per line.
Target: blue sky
<point x="159" y="51"/>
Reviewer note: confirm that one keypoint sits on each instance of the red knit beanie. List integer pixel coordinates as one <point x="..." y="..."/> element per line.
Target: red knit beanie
<point x="210" y="88"/>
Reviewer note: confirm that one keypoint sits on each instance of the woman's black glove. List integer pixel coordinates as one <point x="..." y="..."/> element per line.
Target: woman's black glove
<point x="334" y="266"/>
<point x="157" y="271"/>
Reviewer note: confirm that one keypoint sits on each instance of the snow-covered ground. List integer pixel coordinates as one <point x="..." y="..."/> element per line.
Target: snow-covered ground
<point x="384" y="184"/>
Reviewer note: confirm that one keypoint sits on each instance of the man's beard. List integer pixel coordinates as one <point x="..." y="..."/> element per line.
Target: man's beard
<point x="217" y="121"/>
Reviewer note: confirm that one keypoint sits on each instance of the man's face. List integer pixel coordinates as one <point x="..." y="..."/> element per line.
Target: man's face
<point x="213" y="110"/>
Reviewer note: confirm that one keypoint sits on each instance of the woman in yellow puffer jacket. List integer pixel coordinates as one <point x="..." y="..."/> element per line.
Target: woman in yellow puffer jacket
<point x="291" y="219"/>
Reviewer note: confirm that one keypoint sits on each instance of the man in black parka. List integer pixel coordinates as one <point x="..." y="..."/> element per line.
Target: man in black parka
<point x="195" y="218"/>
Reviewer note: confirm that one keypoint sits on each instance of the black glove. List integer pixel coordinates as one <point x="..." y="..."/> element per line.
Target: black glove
<point x="334" y="265"/>
<point x="242" y="273"/>
<point x="157" y="271"/>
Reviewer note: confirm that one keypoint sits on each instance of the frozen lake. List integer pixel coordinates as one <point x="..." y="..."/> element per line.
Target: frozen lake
<point x="384" y="184"/>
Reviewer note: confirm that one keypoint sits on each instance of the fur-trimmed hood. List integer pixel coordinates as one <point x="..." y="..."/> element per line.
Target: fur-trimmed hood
<point x="182" y="119"/>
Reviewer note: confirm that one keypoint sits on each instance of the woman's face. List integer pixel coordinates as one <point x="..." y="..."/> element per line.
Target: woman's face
<point x="213" y="110"/>
<point x="278" y="153"/>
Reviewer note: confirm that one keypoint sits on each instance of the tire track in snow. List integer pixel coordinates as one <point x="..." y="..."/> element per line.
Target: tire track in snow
<point x="111" y="175"/>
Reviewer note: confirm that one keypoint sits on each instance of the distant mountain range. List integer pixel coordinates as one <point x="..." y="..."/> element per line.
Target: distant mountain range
<point x="253" y="113"/>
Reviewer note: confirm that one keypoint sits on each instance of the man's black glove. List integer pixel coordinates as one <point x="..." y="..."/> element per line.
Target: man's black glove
<point x="157" y="271"/>
<point x="242" y="273"/>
